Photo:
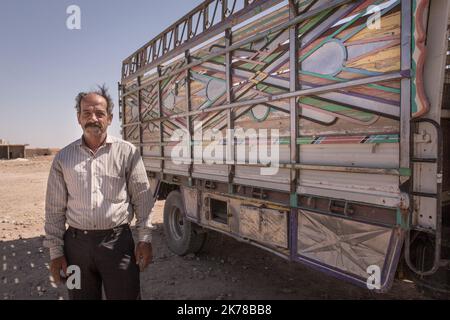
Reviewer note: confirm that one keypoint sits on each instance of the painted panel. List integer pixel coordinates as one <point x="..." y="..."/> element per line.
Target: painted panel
<point x="347" y="245"/>
<point x="264" y="225"/>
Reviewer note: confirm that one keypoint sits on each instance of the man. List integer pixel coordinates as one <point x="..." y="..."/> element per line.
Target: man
<point x="96" y="185"/>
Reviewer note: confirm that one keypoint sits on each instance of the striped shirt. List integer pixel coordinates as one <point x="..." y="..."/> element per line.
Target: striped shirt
<point x="96" y="191"/>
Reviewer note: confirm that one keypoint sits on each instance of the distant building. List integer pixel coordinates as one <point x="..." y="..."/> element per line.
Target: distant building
<point x="11" y="151"/>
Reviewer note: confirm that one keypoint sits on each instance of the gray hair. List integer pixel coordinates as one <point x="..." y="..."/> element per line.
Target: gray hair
<point x="101" y="91"/>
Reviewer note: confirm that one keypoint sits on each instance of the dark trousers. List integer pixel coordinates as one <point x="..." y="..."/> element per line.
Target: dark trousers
<point x="105" y="257"/>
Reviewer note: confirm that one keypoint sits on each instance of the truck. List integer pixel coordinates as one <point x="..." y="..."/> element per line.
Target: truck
<point x="315" y="129"/>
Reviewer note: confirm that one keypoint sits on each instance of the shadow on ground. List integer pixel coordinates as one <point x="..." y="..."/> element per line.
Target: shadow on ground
<point x="225" y="269"/>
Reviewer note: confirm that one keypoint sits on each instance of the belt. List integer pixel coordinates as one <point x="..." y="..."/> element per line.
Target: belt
<point x="99" y="232"/>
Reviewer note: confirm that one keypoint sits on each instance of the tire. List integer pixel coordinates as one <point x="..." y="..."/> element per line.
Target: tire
<point x="182" y="235"/>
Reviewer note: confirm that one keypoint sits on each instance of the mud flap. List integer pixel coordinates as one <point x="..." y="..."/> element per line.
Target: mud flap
<point x="364" y="254"/>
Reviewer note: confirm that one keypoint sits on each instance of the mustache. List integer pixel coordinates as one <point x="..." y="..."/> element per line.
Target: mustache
<point x="93" y="125"/>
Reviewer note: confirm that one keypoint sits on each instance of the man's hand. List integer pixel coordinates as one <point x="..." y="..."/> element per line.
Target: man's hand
<point x="144" y="255"/>
<point x="56" y="265"/>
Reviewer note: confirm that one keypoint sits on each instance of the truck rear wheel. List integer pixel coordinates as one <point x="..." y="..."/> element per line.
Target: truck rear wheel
<point x="183" y="237"/>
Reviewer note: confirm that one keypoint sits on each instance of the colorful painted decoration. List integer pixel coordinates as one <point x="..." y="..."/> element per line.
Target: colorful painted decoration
<point x="336" y="45"/>
<point x="420" y="103"/>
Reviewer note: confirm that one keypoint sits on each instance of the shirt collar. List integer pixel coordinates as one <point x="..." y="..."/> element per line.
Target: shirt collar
<point x="109" y="140"/>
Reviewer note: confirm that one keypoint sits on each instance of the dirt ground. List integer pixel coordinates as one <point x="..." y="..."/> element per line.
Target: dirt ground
<point x="225" y="269"/>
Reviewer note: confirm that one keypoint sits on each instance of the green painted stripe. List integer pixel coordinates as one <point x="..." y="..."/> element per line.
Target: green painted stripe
<point x="375" y="86"/>
<point x="337" y="108"/>
<point x="361" y="27"/>
<point x="323" y="76"/>
<point x="387" y="138"/>
<point x="331" y="36"/>
<point x="313" y="22"/>
<point x="294" y="200"/>
<point x="384" y="88"/>
<point x="305" y="140"/>
<point x="284" y="140"/>
<point x="329" y="106"/>
<point x="406" y="172"/>
<point x="383" y="138"/>
<point x="218" y="59"/>
<point x="402" y="222"/>
<point x="269" y="89"/>
<point x="305" y="2"/>
<point x="361" y="71"/>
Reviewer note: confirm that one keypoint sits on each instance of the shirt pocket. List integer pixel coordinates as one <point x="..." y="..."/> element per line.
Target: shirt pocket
<point x="114" y="188"/>
<point x="76" y="180"/>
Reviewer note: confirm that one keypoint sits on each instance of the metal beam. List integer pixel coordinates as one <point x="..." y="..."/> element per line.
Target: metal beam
<point x="315" y="167"/>
<point x="139" y="106"/>
<point x="405" y="100"/>
<point x="192" y="38"/>
<point x="188" y="118"/>
<point x="293" y="86"/>
<point x="299" y="93"/>
<point x="230" y="149"/>
<point x="293" y="118"/>
<point x="122" y="106"/>
<point x="300" y="18"/>
<point x="161" y="135"/>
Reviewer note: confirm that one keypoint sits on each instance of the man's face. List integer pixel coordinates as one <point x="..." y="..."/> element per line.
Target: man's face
<point x="93" y="117"/>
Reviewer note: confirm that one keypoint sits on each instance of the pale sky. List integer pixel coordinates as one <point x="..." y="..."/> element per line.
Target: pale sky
<point x="43" y="64"/>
